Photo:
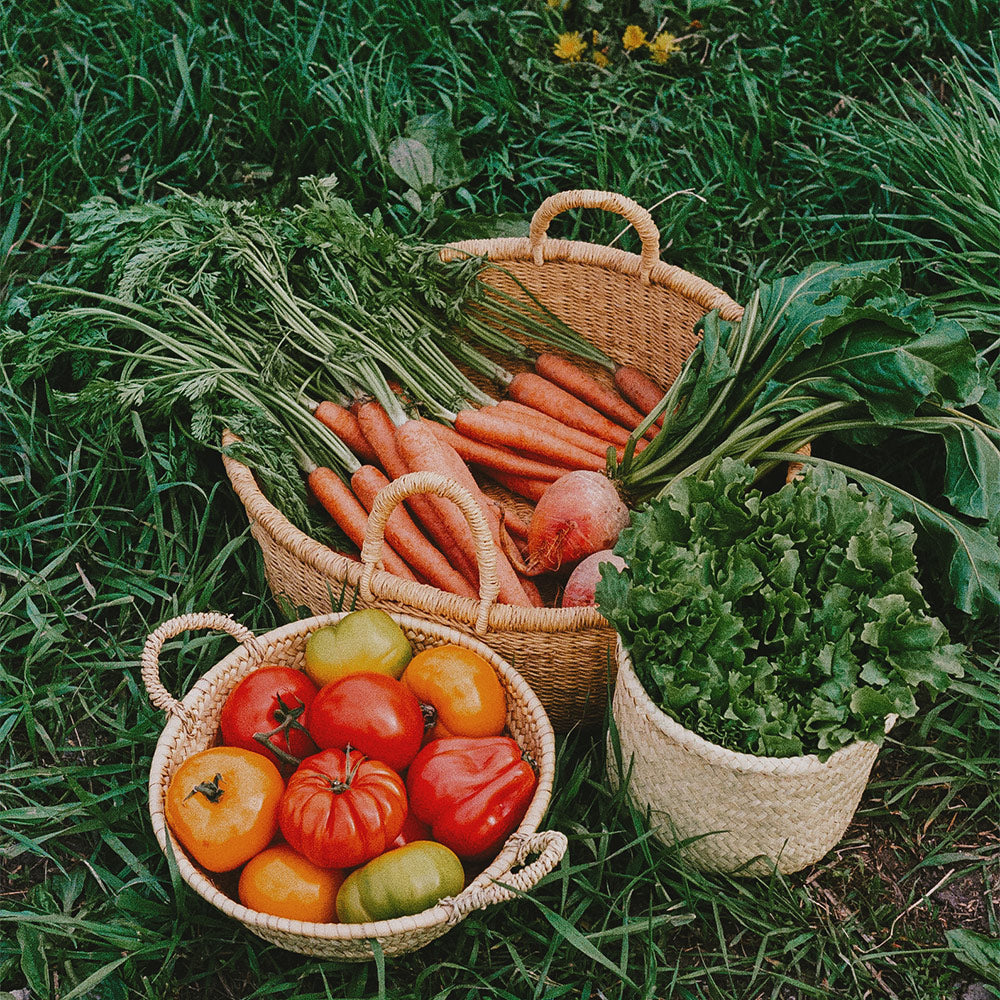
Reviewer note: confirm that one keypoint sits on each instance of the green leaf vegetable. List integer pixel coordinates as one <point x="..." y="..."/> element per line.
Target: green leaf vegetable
<point x="776" y="624"/>
<point x="841" y="353"/>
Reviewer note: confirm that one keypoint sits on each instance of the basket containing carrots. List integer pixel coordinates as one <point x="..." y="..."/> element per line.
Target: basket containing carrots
<point x="547" y="406"/>
<point x="352" y="782"/>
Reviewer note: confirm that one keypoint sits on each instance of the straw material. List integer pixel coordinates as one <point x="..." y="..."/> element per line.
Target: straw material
<point x="750" y="813"/>
<point x="638" y="310"/>
<point x="193" y="725"/>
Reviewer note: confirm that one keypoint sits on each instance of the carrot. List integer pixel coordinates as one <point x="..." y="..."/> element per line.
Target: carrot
<point x="380" y="431"/>
<point x="532" y="591"/>
<point x="345" y="425"/>
<point x="406" y="537"/>
<point x="489" y="427"/>
<point x="530" y="489"/>
<point x="529" y="415"/>
<point x="514" y="523"/>
<point x="639" y="389"/>
<point x="541" y="394"/>
<point x="343" y="506"/>
<point x="493" y="457"/>
<point x="424" y="451"/>
<point x="585" y="387"/>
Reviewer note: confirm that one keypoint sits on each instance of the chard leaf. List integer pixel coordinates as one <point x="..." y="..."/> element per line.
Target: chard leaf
<point x="972" y="471"/>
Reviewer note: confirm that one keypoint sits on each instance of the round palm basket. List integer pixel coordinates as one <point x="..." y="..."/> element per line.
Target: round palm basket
<point x="193" y="725"/>
<point x="638" y="310"/>
<point x="728" y="811"/>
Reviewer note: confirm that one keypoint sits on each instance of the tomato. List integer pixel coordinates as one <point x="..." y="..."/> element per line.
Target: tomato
<point x="472" y="792"/>
<point x="264" y="713"/>
<point x="222" y="805"/>
<point x="280" y="881"/>
<point x="461" y="692"/>
<point x="341" y="810"/>
<point x="412" y="830"/>
<point x="370" y="712"/>
<point x="400" y="882"/>
<point x="367" y="640"/>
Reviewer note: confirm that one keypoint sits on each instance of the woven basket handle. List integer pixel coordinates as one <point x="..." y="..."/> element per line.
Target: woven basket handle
<point x="150" y="659"/>
<point x="610" y="202"/>
<point x="409" y="484"/>
<point x="549" y="845"/>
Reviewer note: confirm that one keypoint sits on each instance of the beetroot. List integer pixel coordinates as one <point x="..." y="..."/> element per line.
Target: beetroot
<point x="580" y="513"/>
<point x="580" y="586"/>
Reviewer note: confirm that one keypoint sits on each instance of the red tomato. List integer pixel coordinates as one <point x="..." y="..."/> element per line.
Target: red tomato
<point x="341" y="810"/>
<point x="264" y="713"/>
<point x="372" y="713"/>
<point x="412" y="830"/>
<point x="472" y="791"/>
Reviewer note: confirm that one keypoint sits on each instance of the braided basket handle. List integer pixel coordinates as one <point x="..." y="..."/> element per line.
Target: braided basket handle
<point x="150" y="660"/>
<point x="549" y="845"/>
<point x="610" y="202"/>
<point x="409" y="484"/>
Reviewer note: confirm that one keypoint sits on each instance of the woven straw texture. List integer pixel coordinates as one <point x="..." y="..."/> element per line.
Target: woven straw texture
<point x="750" y="813"/>
<point x="637" y="309"/>
<point x="193" y="725"/>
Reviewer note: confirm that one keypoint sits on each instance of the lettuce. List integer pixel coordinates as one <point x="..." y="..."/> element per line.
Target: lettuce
<point x="776" y="624"/>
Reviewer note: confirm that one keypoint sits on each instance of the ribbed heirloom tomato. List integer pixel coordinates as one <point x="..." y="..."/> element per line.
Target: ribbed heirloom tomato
<point x="342" y="809"/>
<point x="222" y="805"/>
<point x="460" y="692"/>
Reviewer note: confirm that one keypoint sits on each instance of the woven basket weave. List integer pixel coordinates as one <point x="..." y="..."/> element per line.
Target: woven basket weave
<point x="193" y="725"/>
<point x="748" y="813"/>
<point x="635" y="308"/>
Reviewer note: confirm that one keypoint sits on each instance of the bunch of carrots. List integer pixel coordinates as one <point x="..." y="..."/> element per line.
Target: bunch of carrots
<point x="555" y="420"/>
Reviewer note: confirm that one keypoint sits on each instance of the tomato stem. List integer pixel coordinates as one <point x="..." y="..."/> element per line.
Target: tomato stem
<point x="350" y="770"/>
<point x="430" y="715"/>
<point x="210" y="789"/>
<point x="287" y="718"/>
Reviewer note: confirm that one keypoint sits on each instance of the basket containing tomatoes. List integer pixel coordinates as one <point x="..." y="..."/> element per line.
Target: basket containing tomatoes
<point x="352" y="778"/>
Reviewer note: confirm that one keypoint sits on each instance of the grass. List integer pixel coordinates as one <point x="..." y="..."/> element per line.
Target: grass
<point x="761" y="149"/>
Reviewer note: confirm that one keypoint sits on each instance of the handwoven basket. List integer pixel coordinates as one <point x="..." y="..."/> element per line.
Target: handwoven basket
<point x="638" y="310"/>
<point x="748" y="813"/>
<point x="193" y="725"/>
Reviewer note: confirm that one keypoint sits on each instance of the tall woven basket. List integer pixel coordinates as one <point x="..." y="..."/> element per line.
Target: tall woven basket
<point x="730" y="811"/>
<point x="193" y="725"/>
<point x="638" y="310"/>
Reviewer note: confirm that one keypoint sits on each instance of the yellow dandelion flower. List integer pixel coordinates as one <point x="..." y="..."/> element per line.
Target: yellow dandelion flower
<point x="595" y="37"/>
<point x="600" y="59"/>
<point x="570" y="46"/>
<point x="633" y="38"/>
<point x="554" y="3"/>
<point x="663" y="47"/>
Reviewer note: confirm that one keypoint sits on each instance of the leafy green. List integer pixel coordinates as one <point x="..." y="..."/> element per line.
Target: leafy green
<point x="839" y="352"/>
<point x="780" y="623"/>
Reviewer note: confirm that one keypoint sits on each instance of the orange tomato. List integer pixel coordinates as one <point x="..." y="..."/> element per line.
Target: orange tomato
<point x="281" y="882"/>
<point x="462" y="688"/>
<point x="222" y="805"/>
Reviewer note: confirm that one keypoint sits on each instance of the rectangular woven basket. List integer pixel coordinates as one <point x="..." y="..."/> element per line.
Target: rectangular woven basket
<point x="637" y="309"/>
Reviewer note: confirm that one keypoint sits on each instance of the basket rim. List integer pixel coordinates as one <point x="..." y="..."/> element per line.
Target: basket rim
<point x="442" y="913"/>
<point x="720" y="756"/>
<point x="385" y="586"/>
<point x="666" y="276"/>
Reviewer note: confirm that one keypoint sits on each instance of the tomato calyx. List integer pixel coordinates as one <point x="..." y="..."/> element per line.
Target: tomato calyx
<point x="430" y="714"/>
<point x="530" y="761"/>
<point x="212" y="790"/>
<point x="287" y="719"/>
<point x="351" y="768"/>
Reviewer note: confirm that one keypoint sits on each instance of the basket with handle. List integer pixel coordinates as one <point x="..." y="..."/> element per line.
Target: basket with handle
<point x="193" y="725"/>
<point x="638" y="310"/>
<point x="730" y="811"/>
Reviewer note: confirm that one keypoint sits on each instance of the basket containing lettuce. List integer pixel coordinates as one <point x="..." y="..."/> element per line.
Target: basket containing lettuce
<point x="767" y="642"/>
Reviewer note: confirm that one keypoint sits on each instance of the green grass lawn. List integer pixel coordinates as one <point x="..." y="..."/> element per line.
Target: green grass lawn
<point x="780" y="134"/>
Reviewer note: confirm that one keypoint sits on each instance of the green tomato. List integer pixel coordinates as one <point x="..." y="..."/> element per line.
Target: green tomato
<point x="367" y="640"/>
<point x="401" y="882"/>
